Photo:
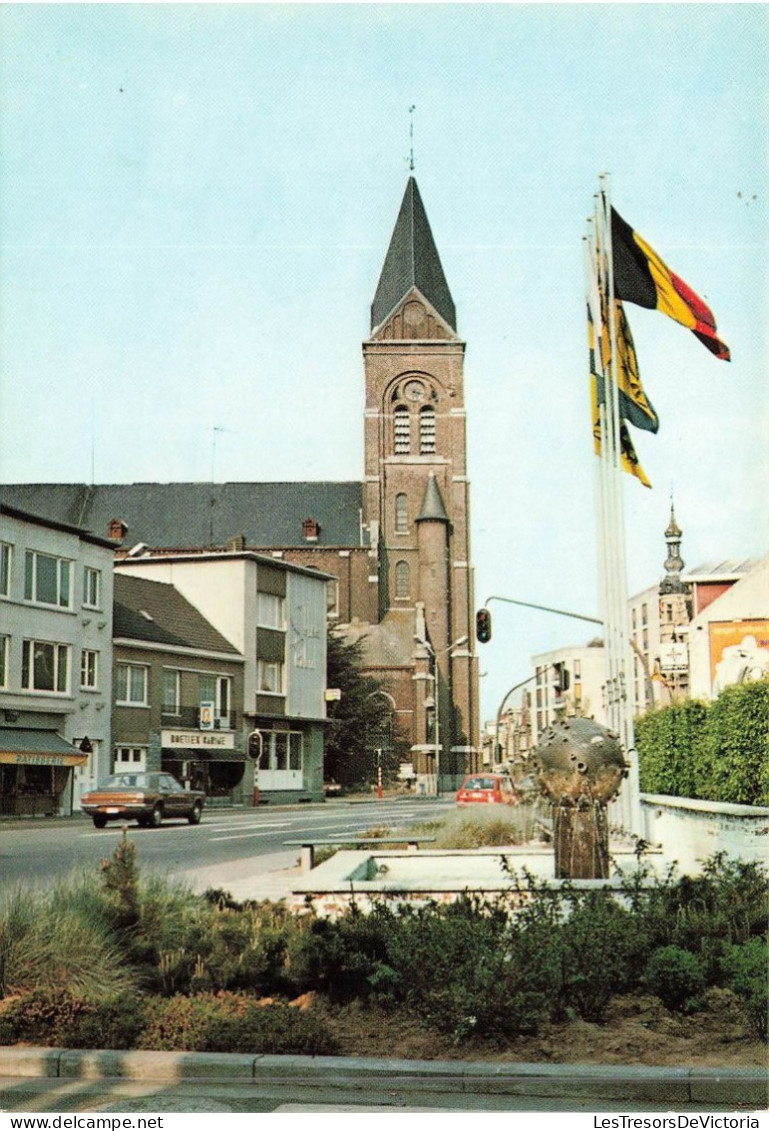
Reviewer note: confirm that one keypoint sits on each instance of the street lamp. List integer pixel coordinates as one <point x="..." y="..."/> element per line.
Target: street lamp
<point x="435" y="657"/>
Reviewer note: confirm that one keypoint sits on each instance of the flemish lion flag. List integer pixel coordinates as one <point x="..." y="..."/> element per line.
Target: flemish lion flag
<point x="628" y="458"/>
<point x="641" y="277"/>
<point x="634" y="405"/>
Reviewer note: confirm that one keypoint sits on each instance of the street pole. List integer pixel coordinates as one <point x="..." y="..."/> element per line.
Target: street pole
<point x="256" y="734"/>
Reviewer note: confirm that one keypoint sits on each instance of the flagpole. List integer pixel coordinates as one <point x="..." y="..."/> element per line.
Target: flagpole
<point x="615" y="556"/>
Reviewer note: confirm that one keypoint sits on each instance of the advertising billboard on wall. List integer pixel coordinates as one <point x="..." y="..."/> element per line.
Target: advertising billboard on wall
<point x="739" y="652"/>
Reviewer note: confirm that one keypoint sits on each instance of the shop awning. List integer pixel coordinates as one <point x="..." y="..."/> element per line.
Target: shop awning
<point x="38" y="748"/>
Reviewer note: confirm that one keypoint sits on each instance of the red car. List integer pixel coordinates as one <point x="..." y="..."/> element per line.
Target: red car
<point x="487" y="789"/>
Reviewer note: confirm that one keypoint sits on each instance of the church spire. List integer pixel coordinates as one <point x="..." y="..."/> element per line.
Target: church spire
<point x="412" y="260"/>
<point x="674" y="563"/>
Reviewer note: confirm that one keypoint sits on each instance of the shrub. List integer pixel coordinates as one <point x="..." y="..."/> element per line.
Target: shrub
<point x="67" y="1021"/>
<point x="745" y="968"/>
<point x="675" y="976"/>
<point x="718" y="751"/>
<point x="228" y="1022"/>
<point x="602" y="948"/>
<point x="734" y="758"/>
<point x="58" y="944"/>
<point x="669" y="741"/>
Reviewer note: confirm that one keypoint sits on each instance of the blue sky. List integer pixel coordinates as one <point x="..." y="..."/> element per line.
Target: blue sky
<point x="196" y="203"/>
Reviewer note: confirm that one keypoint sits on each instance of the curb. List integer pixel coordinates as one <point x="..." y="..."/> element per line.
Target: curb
<point x="733" y="1087"/>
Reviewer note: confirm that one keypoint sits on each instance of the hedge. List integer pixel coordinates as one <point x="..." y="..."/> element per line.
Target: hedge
<point x="712" y="751"/>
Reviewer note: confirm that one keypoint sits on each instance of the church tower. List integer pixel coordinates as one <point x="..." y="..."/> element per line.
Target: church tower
<point x="416" y="493"/>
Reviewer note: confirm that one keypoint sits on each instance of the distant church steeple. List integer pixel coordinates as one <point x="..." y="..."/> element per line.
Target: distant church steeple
<point x="674" y="563"/>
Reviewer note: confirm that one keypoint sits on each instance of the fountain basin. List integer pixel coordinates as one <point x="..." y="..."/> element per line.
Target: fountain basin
<point x="367" y="877"/>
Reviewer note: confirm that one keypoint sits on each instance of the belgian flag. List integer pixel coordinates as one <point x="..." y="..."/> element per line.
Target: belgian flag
<point x="641" y="277"/>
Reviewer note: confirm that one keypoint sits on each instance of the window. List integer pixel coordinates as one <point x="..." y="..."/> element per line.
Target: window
<point x="427" y="430"/>
<point x="401" y="513"/>
<point x="401" y="579"/>
<point x="89" y="670"/>
<point x="91" y="588"/>
<point x="270" y="610"/>
<point x="171" y="691"/>
<point x="402" y="430"/>
<point x="130" y="758"/>
<point x="269" y="677"/>
<point x="216" y="689"/>
<point x="5" y="569"/>
<point x="45" y="666"/>
<point x="332" y="598"/>
<point x="47" y="579"/>
<point x="295" y="751"/>
<point x="5" y="645"/>
<point x="131" y="685"/>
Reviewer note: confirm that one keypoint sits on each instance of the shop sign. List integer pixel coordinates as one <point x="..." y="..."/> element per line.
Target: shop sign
<point x="207" y="715"/>
<point x="220" y="740"/>
<point x="22" y="759"/>
<point x="674" y="657"/>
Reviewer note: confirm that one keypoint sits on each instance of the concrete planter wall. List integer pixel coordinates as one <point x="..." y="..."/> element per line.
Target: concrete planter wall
<point x="691" y="831"/>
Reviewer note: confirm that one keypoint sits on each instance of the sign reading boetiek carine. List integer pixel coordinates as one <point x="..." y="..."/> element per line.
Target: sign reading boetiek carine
<point x="222" y="740"/>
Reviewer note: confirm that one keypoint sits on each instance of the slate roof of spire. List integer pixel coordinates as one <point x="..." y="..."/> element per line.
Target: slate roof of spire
<point x="412" y="261"/>
<point x="432" y="503"/>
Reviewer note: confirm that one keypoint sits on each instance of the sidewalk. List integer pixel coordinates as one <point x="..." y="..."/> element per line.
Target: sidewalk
<point x="38" y="1079"/>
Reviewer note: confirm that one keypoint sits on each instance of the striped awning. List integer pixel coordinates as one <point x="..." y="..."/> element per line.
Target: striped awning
<point x="21" y="747"/>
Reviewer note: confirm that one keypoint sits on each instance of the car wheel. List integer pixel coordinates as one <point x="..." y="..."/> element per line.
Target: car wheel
<point x="143" y="822"/>
<point x="194" y="817"/>
<point x="100" y="822"/>
<point x="156" y="817"/>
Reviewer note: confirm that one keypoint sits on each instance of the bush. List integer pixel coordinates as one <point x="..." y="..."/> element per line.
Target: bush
<point x="734" y="760"/>
<point x="67" y="1021"/>
<point x="745" y="968"/>
<point x="675" y="976"/>
<point x="57" y="941"/>
<point x="228" y="1022"/>
<point x="717" y="751"/>
<point x="602" y="948"/>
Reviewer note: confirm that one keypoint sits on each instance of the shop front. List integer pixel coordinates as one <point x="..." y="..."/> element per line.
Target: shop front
<point x="36" y="769"/>
<point x="205" y="760"/>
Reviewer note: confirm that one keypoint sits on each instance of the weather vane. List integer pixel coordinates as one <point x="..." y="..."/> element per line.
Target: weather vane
<point x="411" y="137"/>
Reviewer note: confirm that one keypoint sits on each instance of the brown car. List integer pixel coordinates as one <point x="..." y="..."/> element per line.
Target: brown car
<point x="144" y="797"/>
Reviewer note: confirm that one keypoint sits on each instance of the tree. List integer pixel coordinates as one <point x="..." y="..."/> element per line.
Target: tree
<point x="360" y="722"/>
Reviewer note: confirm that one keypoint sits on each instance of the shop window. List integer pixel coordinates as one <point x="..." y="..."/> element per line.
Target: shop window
<point x="45" y="666"/>
<point x="47" y="579"/>
<point x="131" y="685"/>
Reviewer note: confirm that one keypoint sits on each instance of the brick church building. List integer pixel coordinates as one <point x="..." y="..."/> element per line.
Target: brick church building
<point x="397" y="543"/>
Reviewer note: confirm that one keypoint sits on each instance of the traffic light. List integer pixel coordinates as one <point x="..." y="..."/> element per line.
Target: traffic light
<point x="561" y="678"/>
<point x="483" y="625"/>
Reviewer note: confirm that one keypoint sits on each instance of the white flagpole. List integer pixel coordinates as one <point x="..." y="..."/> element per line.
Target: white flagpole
<point x="618" y="643"/>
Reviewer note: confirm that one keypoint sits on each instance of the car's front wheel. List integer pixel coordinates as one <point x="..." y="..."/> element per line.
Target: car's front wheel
<point x="194" y="817"/>
<point x="156" y="817"/>
<point x="99" y="821"/>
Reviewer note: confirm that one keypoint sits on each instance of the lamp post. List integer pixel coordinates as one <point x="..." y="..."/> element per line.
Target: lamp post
<point x="436" y="692"/>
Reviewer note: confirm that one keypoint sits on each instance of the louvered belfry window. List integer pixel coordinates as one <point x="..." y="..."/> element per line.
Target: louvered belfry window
<point x="402" y="428"/>
<point x="427" y="431"/>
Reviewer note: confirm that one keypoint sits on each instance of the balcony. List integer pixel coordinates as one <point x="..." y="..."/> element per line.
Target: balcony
<point x="188" y="718"/>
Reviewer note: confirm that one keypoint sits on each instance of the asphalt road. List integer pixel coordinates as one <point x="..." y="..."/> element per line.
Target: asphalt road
<point x="38" y="852"/>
